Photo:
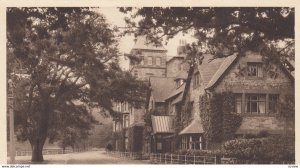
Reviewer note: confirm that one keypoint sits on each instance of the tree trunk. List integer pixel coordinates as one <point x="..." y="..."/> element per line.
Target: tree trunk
<point x="37" y="151"/>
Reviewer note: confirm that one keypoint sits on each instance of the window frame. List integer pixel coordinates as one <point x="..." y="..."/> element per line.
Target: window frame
<point x="258" y="69"/>
<point x="257" y="101"/>
<point x="149" y="60"/>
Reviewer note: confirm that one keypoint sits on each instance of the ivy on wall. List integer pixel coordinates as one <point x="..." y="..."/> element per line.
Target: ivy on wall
<point x="217" y="116"/>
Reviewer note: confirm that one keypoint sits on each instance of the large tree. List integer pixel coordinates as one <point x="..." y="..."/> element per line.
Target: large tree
<point x="63" y="62"/>
<point x="220" y="30"/>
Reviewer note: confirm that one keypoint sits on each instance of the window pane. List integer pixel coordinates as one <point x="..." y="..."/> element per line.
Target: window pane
<point x="158" y="61"/>
<point x="238" y="103"/>
<point x="262" y="107"/>
<point x="149" y="61"/>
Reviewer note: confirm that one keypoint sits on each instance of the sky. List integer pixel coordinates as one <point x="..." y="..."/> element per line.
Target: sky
<point x="114" y="17"/>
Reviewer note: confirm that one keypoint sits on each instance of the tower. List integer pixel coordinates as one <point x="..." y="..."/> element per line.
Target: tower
<point x="151" y="59"/>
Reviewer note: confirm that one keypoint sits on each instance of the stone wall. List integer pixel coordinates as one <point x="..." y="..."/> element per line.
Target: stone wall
<point x="174" y="66"/>
<point x="235" y="81"/>
<point x="255" y="124"/>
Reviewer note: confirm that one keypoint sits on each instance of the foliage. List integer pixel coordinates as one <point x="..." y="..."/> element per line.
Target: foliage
<point x="211" y="117"/>
<point x="243" y="148"/>
<point x="220" y="30"/>
<point x="264" y="150"/>
<point x="64" y="61"/>
<point x="287" y="107"/>
<point x="216" y="113"/>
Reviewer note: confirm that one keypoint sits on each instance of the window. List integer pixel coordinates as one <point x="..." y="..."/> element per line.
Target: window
<point x="273" y="103"/>
<point x="256" y="104"/>
<point x="254" y="69"/>
<point x="196" y="81"/>
<point x="126" y="120"/>
<point x="149" y="60"/>
<point x="163" y="61"/>
<point x="238" y="103"/>
<point x="179" y="82"/>
<point x="158" y="61"/>
<point x="142" y="60"/>
<point x="192" y="142"/>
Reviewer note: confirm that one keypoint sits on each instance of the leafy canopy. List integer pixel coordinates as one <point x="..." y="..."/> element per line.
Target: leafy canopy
<point x="63" y="62"/>
<point x="219" y="30"/>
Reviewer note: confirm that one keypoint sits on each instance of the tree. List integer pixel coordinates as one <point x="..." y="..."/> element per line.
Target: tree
<point x="220" y="30"/>
<point x="63" y="61"/>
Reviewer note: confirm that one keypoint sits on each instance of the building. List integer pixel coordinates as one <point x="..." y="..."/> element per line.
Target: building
<point x="152" y="59"/>
<point x="258" y="89"/>
<point x="148" y="62"/>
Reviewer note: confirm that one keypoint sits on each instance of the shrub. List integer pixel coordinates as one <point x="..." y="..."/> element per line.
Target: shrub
<point x="243" y="148"/>
<point x="260" y="150"/>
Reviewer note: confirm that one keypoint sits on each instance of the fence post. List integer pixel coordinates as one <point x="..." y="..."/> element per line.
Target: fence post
<point x="204" y="161"/>
<point x="159" y="157"/>
<point x="171" y="158"/>
<point x="194" y="159"/>
<point x="165" y="158"/>
<point x="184" y="159"/>
<point x="215" y="159"/>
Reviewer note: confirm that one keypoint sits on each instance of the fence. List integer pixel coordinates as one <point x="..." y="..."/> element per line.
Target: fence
<point x="129" y="155"/>
<point x="50" y="151"/>
<point x="160" y="158"/>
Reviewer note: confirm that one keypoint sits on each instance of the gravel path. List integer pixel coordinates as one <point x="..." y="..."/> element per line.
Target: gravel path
<point x="90" y="157"/>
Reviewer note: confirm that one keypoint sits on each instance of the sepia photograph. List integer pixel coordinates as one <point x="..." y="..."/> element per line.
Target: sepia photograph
<point x="150" y="85"/>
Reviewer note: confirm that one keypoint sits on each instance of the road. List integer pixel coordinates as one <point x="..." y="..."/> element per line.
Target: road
<point x="90" y="157"/>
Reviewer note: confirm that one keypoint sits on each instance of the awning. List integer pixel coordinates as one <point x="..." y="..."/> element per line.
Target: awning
<point x="195" y="127"/>
<point x="162" y="124"/>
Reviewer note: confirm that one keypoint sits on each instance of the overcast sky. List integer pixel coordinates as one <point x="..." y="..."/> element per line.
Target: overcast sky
<point x="115" y="17"/>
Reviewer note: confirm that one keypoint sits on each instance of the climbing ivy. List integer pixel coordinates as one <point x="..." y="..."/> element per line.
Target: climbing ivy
<point x="217" y="116"/>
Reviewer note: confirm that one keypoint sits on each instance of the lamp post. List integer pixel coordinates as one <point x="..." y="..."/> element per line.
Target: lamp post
<point x="11" y="121"/>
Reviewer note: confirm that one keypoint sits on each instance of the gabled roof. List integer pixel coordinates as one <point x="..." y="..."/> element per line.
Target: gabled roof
<point x="223" y="67"/>
<point x="141" y="43"/>
<point x="209" y="67"/>
<point x="161" y="87"/>
<point x="176" y="91"/>
<point x="195" y="127"/>
<point x="162" y="124"/>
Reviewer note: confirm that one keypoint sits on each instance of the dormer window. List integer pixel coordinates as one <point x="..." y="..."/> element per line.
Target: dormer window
<point x="255" y="69"/>
<point x="179" y="82"/>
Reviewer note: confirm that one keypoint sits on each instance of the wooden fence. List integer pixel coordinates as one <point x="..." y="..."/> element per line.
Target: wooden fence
<point x="50" y="151"/>
<point x="129" y="155"/>
<point x="160" y="158"/>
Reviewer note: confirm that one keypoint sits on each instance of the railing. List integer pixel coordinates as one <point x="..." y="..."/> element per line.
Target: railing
<point x="160" y="158"/>
<point x="129" y="155"/>
<point x="50" y="151"/>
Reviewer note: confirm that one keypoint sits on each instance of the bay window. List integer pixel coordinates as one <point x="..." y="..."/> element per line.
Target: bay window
<point x="194" y="142"/>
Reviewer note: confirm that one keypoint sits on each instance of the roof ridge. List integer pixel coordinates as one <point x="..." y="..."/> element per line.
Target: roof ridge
<point x="220" y="71"/>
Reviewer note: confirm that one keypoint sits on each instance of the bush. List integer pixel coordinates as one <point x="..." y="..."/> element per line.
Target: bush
<point x="243" y="148"/>
<point x="260" y="150"/>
